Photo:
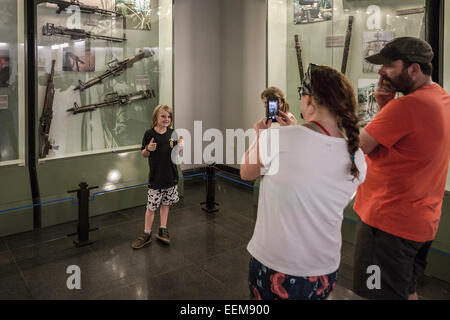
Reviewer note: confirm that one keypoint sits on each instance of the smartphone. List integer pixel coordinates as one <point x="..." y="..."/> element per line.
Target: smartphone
<point x="272" y="109"/>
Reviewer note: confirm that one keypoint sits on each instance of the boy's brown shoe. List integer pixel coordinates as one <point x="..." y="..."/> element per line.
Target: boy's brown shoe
<point x="163" y="235"/>
<point x="142" y="241"/>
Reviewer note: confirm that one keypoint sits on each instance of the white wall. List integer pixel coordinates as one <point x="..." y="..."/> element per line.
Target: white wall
<point x="244" y="66"/>
<point x="220" y="58"/>
<point x="197" y="62"/>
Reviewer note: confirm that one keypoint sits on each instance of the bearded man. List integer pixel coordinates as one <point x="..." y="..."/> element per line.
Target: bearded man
<point x="407" y="147"/>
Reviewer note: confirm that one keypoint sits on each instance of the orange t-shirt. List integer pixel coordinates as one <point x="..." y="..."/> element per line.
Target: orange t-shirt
<point x="406" y="174"/>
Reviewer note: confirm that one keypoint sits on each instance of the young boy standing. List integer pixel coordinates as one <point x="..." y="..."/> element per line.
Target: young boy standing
<point x="157" y="146"/>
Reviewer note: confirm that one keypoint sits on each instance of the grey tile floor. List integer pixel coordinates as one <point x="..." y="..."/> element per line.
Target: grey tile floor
<point x="207" y="259"/>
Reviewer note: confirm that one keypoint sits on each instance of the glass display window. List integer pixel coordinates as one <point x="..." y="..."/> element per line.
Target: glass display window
<point x="338" y="33"/>
<point x="110" y="64"/>
<point x="12" y="85"/>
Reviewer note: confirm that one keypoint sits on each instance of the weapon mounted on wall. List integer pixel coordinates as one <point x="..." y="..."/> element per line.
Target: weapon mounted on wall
<point x="76" y="34"/>
<point x="298" y="49"/>
<point x="63" y="5"/>
<point x="115" y="68"/>
<point x="112" y="99"/>
<point x="348" y="38"/>
<point x="47" y="115"/>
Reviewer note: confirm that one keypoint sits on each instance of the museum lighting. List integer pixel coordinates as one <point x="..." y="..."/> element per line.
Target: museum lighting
<point x="114" y="176"/>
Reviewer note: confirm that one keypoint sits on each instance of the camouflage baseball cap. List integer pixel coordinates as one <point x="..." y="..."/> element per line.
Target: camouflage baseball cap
<point x="405" y="48"/>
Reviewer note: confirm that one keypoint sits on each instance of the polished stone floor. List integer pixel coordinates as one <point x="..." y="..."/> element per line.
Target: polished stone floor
<point x="207" y="259"/>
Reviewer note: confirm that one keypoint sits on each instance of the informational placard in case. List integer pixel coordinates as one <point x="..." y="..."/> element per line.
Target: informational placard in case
<point x="3" y="102"/>
<point x="335" y="41"/>
<point x="142" y="80"/>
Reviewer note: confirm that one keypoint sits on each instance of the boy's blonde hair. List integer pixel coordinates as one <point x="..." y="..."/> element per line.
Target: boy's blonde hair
<point x="158" y="108"/>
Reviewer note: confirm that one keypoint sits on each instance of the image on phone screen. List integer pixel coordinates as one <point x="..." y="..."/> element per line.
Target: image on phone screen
<point x="272" y="110"/>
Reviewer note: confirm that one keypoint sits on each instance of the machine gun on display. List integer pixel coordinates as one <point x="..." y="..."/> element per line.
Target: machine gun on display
<point x="115" y="68"/>
<point x="348" y="37"/>
<point x="47" y="115"/>
<point x="63" y="5"/>
<point x="112" y="99"/>
<point x="299" y="60"/>
<point x="76" y="34"/>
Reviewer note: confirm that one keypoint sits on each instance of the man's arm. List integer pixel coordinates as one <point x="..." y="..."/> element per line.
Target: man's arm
<point x="366" y="142"/>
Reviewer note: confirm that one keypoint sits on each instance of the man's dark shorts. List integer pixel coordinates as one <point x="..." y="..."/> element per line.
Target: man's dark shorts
<point x="401" y="263"/>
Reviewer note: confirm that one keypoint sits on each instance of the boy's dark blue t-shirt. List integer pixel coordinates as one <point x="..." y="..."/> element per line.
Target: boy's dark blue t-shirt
<point x="163" y="172"/>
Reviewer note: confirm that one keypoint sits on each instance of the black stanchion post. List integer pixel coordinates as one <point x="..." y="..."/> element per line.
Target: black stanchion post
<point x="83" y="215"/>
<point x="210" y="204"/>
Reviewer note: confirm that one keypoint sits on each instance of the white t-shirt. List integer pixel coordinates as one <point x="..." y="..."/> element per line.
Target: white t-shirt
<point x="300" y="209"/>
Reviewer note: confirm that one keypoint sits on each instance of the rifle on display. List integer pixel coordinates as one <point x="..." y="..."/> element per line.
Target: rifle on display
<point x="63" y="5"/>
<point x="299" y="58"/>
<point x="298" y="49"/>
<point x="112" y="99"/>
<point x="47" y="115"/>
<point x="115" y="68"/>
<point x="348" y="37"/>
<point x="76" y="34"/>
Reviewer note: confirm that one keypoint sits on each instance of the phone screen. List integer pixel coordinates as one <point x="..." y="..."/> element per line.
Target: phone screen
<point x="272" y="110"/>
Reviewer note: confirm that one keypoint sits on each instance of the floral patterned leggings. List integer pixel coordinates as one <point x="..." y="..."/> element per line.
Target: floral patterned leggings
<point x="268" y="284"/>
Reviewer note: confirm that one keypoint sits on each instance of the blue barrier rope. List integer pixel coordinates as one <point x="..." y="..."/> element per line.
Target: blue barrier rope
<point x="145" y="184"/>
<point x="136" y="186"/>
<point x="40" y="204"/>
<point x="194" y="175"/>
<point x="228" y="178"/>
<point x="350" y="220"/>
<point x="74" y="202"/>
<point x="123" y="188"/>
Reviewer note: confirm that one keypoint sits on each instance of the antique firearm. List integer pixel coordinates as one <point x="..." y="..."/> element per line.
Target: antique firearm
<point x="112" y="99"/>
<point x="348" y="37"/>
<point x="298" y="49"/>
<point x="115" y="68"/>
<point x="76" y="34"/>
<point x="299" y="58"/>
<point x="63" y="5"/>
<point x="47" y="115"/>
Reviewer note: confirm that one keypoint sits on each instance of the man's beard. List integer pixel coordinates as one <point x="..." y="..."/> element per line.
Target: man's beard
<point x="403" y="82"/>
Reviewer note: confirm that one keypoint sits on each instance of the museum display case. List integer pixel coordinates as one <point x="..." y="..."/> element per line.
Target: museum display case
<point x="338" y="33"/>
<point x="12" y="83"/>
<point x="78" y="84"/>
<point x="110" y="64"/>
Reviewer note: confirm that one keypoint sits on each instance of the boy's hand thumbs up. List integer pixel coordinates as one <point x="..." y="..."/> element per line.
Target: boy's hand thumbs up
<point x="151" y="146"/>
